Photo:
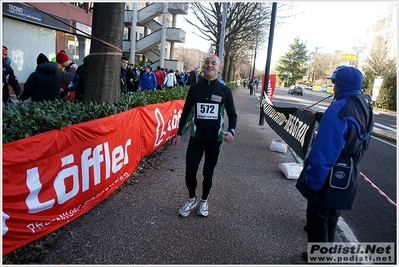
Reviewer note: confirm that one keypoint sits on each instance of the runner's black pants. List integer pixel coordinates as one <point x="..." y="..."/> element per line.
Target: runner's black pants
<point x="195" y="151"/>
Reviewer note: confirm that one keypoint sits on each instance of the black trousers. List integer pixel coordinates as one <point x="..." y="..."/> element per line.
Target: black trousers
<point x="321" y="223"/>
<point x="195" y="151"/>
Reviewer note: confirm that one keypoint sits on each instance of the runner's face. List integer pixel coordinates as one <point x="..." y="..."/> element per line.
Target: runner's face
<point x="211" y="67"/>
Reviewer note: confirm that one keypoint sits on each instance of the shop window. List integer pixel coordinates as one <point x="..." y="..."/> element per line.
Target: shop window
<point x="76" y="47"/>
<point x="25" y="42"/>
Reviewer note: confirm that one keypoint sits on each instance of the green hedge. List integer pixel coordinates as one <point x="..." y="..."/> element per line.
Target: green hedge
<point x="32" y="118"/>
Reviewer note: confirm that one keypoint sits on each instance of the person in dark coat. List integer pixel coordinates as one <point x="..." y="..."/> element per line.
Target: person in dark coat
<point x="81" y="73"/>
<point x="193" y="77"/>
<point x="9" y="78"/>
<point x="123" y="75"/>
<point x="44" y="82"/>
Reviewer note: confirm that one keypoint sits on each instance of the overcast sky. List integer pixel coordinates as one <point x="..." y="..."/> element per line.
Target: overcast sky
<point x="330" y="25"/>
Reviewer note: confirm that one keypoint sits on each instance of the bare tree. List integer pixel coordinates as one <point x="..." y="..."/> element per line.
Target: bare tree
<point x="246" y="23"/>
<point x="102" y="83"/>
<point x="244" y="19"/>
<point x="191" y="58"/>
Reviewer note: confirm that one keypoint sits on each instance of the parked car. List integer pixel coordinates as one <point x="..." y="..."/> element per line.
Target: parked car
<point x="295" y="89"/>
<point x="309" y="87"/>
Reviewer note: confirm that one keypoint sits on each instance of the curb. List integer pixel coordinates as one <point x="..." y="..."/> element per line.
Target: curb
<point x="384" y="135"/>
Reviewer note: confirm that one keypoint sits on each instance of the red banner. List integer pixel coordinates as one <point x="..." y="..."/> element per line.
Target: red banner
<point x="271" y="86"/>
<point x="52" y="178"/>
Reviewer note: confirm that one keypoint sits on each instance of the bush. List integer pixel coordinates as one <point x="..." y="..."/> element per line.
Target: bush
<point x="31" y="118"/>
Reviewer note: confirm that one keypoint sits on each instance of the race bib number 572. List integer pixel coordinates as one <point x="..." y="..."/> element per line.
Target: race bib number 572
<point x="207" y="111"/>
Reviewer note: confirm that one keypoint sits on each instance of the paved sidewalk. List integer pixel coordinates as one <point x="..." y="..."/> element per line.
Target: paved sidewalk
<point x="256" y="215"/>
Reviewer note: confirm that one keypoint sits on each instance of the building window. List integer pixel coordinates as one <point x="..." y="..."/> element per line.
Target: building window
<point x="88" y="6"/>
<point x="126" y="33"/>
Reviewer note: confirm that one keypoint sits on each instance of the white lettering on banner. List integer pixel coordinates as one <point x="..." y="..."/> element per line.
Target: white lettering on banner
<point x="296" y="128"/>
<point x="160" y="131"/>
<point x="92" y="162"/>
<point x="35" y="226"/>
<point x="172" y="124"/>
<point x="276" y="116"/>
<point x="59" y="182"/>
<point x="114" y="162"/>
<point x="34" y="186"/>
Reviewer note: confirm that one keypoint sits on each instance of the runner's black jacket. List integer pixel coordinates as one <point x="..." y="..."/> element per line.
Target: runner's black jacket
<point x="208" y="100"/>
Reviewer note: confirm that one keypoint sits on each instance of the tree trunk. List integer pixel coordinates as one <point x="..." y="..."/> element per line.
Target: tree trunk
<point x="103" y="79"/>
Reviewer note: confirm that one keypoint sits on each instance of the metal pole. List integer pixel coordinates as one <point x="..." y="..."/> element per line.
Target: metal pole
<point x="222" y="32"/>
<point x="256" y="47"/>
<point x="163" y="36"/>
<point x="133" y="34"/>
<point x="265" y="85"/>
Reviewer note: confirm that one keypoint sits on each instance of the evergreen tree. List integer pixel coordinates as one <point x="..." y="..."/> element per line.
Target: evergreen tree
<point x="387" y="97"/>
<point x="291" y="66"/>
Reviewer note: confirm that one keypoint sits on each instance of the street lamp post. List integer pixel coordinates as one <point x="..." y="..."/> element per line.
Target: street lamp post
<point x="256" y="47"/>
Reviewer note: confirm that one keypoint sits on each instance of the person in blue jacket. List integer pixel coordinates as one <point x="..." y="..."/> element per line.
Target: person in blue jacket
<point x="148" y="81"/>
<point x="330" y="176"/>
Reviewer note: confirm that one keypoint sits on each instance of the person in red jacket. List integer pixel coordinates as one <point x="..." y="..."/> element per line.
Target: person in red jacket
<point x="67" y="90"/>
<point x="160" y="75"/>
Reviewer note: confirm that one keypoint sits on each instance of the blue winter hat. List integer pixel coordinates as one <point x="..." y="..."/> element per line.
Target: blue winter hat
<point x="148" y="66"/>
<point x="347" y="78"/>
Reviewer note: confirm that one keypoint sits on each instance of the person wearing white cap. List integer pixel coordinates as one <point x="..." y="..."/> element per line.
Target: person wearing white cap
<point x="330" y="176"/>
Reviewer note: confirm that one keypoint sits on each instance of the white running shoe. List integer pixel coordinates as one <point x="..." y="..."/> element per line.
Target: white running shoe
<point x="190" y="204"/>
<point x="203" y="209"/>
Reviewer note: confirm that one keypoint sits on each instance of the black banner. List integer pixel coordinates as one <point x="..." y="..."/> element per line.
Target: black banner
<point x="295" y="126"/>
<point x="27" y="13"/>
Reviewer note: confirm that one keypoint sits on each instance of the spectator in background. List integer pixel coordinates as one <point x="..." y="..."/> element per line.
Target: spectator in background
<point x="68" y="90"/>
<point x="177" y="76"/>
<point x="192" y="77"/>
<point x="132" y="78"/>
<point x="160" y="76"/>
<point x="9" y="78"/>
<point x="170" y="80"/>
<point x="44" y="82"/>
<point x="123" y="75"/>
<point x="81" y="72"/>
<point x="148" y="81"/>
<point x="182" y="79"/>
<point x="8" y="59"/>
<point x="201" y="77"/>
